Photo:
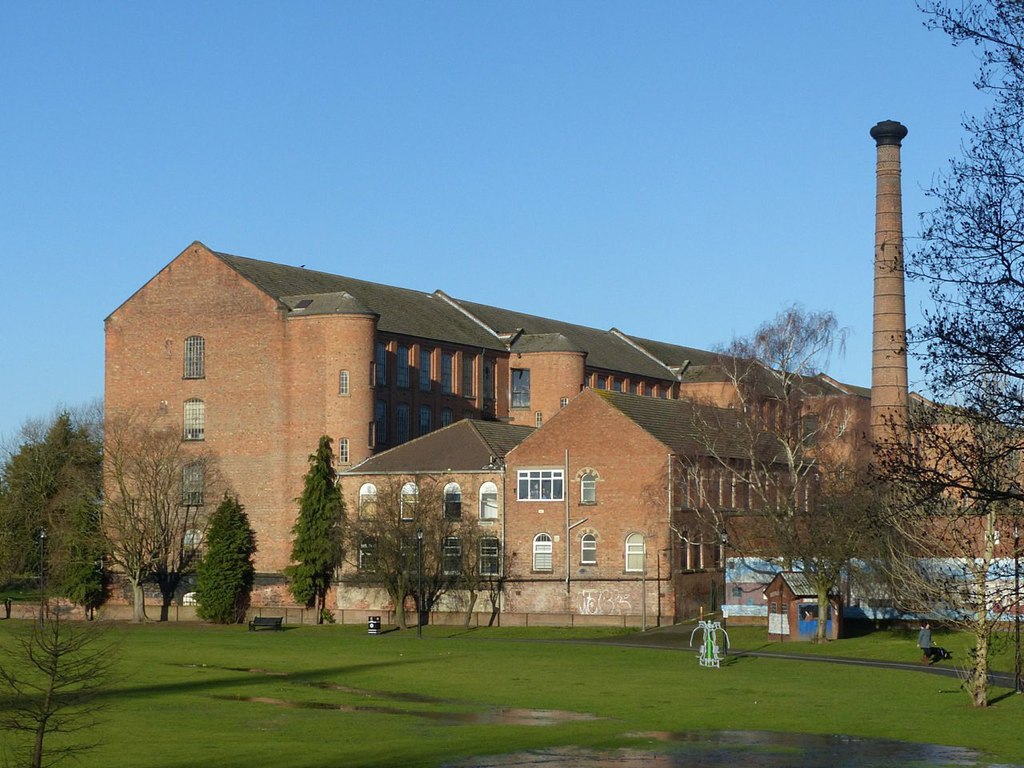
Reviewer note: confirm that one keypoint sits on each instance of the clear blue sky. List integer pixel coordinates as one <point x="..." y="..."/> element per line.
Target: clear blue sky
<point x="678" y="170"/>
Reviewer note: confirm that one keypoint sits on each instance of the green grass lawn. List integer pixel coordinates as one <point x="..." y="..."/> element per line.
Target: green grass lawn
<point x="334" y="696"/>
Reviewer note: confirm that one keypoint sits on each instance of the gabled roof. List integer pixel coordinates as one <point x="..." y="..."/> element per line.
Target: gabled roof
<point x="468" y="445"/>
<point x="799" y="584"/>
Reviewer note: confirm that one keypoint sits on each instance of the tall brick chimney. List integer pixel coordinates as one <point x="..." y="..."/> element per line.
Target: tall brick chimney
<point x="889" y="348"/>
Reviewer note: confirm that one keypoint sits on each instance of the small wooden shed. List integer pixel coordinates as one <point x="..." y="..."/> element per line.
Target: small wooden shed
<point x="793" y="608"/>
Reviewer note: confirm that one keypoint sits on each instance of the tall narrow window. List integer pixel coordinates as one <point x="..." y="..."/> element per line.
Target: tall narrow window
<point x="488" y="392"/>
<point x="447" y="416"/>
<point x="343" y="450"/>
<point x="520" y="387"/>
<point x="467" y="375"/>
<point x="588" y="488"/>
<point x="538" y="418"/>
<point x="195" y="419"/>
<point x="367" y="552"/>
<point x="602" y="381"/>
<point x="402" y="423"/>
<point x="588" y="549"/>
<point x="195" y="357"/>
<point x="425" y="419"/>
<point x="452" y="502"/>
<point x="488" y="501"/>
<point x="402" y="367"/>
<point x="447" y="373"/>
<point x="694" y="558"/>
<point x="192" y="485"/>
<point x="380" y="367"/>
<point x="635" y="553"/>
<point x="380" y="423"/>
<point x="542" y="548"/>
<point x="490" y="563"/>
<point x="424" y="369"/>
<point x="632" y="388"/>
<point x="343" y="383"/>
<point x="410" y="495"/>
<point x="452" y="559"/>
<point x="367" y="501"/>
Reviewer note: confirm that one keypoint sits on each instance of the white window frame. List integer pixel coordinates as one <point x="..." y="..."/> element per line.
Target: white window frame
<point x="192" y="484"/>
<point x="540" y="485"/>
<point x="543" y="553"/>
<point x="367" y="500"/>
<point x="451" y="556"/>
<point x="343" y="450"/>
<point x="195" y="358"/>
<point x="194" y="419"/>
<point x="452" y="501"/>
<point x="490" y="556"/>
<point x="367" y="549"/>
<point x="488" y="493"/>
<point x="636" y="547"/>
<point x="588" y="488"/>
<point x="588" y="549"/>
<point x="343" y="385"/>
<point x="408" y="499"/>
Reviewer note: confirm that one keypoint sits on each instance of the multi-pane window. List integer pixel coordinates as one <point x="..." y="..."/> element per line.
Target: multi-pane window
<point x="490" y="562"/>
<point x="425" y="418"/>
<point x="367" y="551"/>
<point x="402" y="367"/>
<point x="447" y="373"/>
<point x="380" y="423"/>
<point x="452" y="502"/>
<point x="520" y="387"/>
<point x="410" y="495"/>
<point x="424" y="370"/>
<point x="343" y="451"/>
<point x="195" y="357"/>
<point x="467" y="375"/>
<point x="367" y="500"/>
<point x="447" y="416"/>
<point x="488" y="501"/>
<point x="588" y="488"/>
<point x="380" y="364"/>
<point x="192" y="485"/>
<point x="195" y="419"/>
<point x="540" y="485"/>
<point x="635" y="552"/>
<point x="563" y="402"/>
<point x="343" y="383"/>
<point x="451" y="560"/>
<point x="402" y="423"/>
<point x="542" y="548"/>
<point x="538" y="418"/>
<point x="588" y="549"/>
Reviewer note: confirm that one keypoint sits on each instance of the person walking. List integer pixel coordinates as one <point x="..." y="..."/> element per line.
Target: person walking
<point x="924" y="642"/>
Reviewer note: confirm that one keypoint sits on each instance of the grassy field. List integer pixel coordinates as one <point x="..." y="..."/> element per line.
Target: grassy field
<point x="332" y="696"/>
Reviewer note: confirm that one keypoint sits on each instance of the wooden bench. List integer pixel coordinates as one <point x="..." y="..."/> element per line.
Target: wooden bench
<point x="265" y="622"/>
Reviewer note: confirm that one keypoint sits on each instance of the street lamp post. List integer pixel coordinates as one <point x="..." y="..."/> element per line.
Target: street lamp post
<point x="42" y="572"/>
<point x="723" y="537"/>
<point x="419" y="584"/>
<point x="1016" y="608"/>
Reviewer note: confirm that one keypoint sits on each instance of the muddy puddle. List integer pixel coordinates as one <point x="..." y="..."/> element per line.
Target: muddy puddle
<point x="751" y="749"/>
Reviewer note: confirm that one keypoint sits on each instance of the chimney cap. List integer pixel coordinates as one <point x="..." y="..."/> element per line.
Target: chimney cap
<point x="888" y="132"/>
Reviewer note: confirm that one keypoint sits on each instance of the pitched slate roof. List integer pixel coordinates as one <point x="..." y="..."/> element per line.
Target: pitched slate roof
<point x="800" y="584"/>
<point x="467" y="445"/>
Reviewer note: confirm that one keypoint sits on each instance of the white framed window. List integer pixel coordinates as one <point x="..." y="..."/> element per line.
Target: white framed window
<point x="402" y="425"/>
<point x="538" y="418"/>
<point x="563" y="402"/>
<point x="192" y="485"/>
<point x="490" y="562"/>
<point x="451" y="561"/>
<point x="195" y="419"/>
<point x="402" y="367"/>
<point x="542" y="548"/>
<point x="540" y="485"/>
<point x="488" y="501"/>
<point x="367" y="552"/>
<point x="195" y="357"/>
<point x="343" y="450"/>
<point x="367" y="500"/>
<point x="343" y="383"/>
<point x="588" y="549"/>
<point x="452" y="502"/>
<point x="410" y="495"/>
<point x="588" y="488"/>
<point x="635" y="550"/>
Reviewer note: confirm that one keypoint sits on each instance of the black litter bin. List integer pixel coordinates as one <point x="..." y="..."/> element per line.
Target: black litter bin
<point x="373" y="625"/>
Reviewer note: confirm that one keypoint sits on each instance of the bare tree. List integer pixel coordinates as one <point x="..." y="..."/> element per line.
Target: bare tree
<point x="155" y="508"/>
<point x="51" y="677"/>
<point x="780" y="469"/>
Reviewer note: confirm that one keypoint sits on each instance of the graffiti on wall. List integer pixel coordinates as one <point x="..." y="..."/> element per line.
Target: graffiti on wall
<point x="604" y="602"/>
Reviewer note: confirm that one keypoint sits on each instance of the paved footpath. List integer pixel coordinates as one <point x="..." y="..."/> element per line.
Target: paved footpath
<point x="677" y="638"/>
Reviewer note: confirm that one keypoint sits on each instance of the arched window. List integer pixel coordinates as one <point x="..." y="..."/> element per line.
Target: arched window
<point x="452" y="502"/>
<point x="410" y="495"/>
<point x="588" y="549"/>
<point x="542" y="552"/>
<point x="635" y="553"/>
<point x="195" y="419"/>
<point x="488" y="501"/>
<point x="195" y="357"/>
<point x="588" y="488"/>
<point x="367" y="500"/>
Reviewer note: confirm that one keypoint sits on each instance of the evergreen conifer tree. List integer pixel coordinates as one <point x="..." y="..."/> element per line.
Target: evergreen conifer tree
<point x="226" y="573"/>
<point x="317" y="542"/>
